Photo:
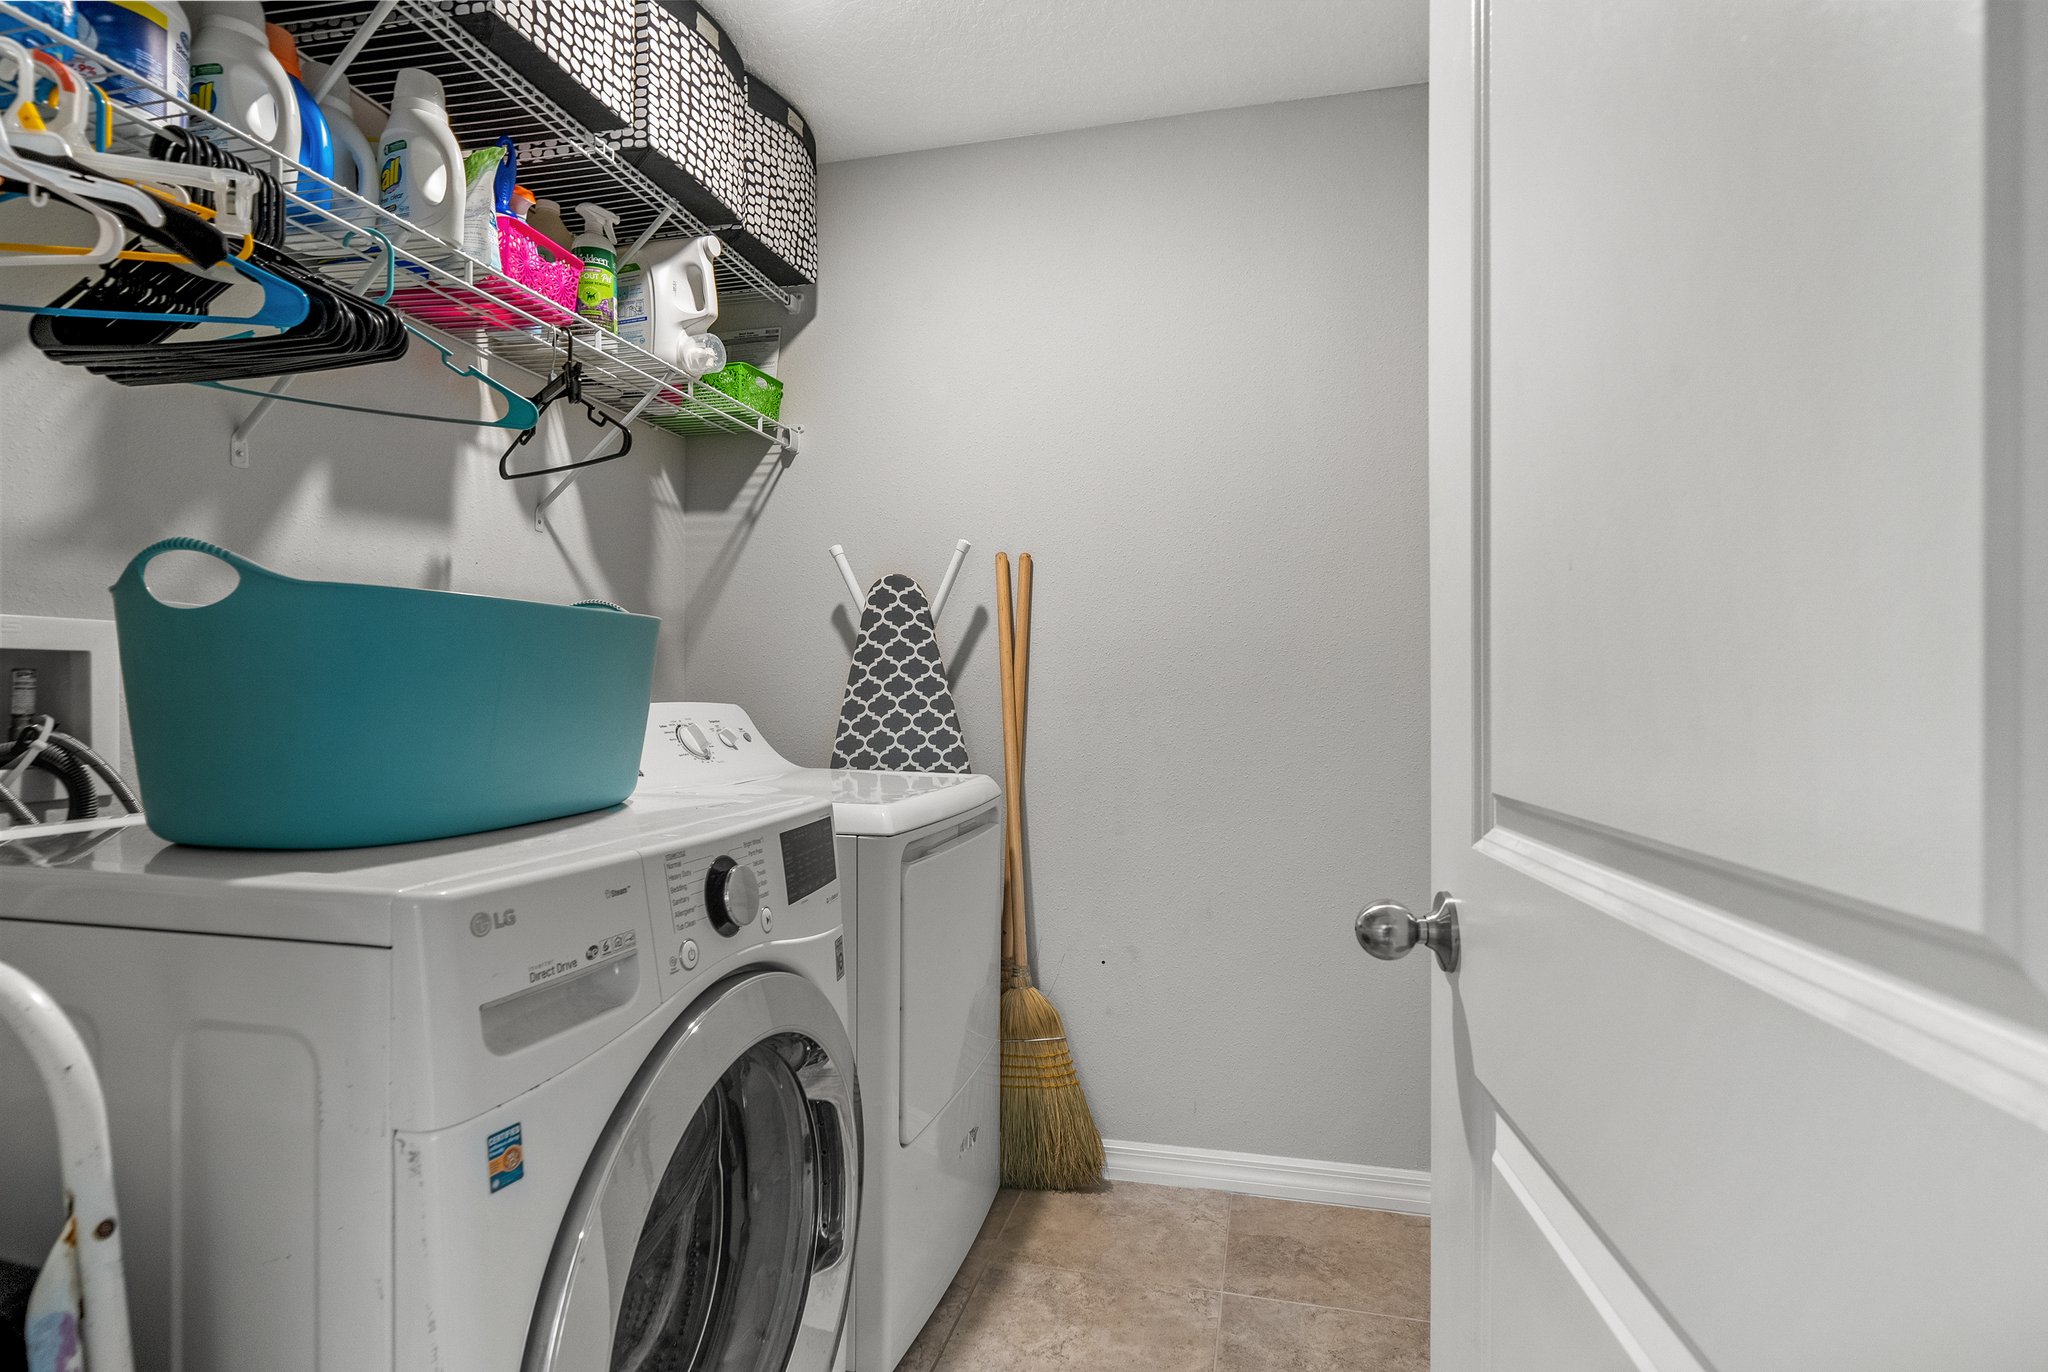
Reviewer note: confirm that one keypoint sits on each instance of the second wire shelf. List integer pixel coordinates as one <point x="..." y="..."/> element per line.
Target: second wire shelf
<point x="342" y="236"/>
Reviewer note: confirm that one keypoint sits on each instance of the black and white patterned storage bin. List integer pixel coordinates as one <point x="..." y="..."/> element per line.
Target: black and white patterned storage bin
<point x="779" y="216"/>
<point x="579" y="52"/>
<point x="690" y="88"/>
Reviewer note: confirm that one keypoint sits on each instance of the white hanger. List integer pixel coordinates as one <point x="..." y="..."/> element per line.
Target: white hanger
<point x="234" y="191"/>
<point x="56" y="140"/>
<point x="44" y="181"/>
<point x="69" y="135"/>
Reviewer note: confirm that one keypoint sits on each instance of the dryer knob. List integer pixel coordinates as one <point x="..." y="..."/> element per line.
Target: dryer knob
<point x="732" y="893"/>
<point x="693" y="741"/>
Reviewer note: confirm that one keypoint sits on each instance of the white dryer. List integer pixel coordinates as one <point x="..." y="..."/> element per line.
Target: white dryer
<point x="571" y="1096"/>
<point x="920" y="861"/>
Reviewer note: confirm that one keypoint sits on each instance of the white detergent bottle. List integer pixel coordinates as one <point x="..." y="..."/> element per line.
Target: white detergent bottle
<point x="546" y="216"/>
<point x="669" y="293"/>
<point x="153" y="40"/>
<point x="235" y="77"/>
<point x="355" y="161"/>
<point x="597" y="289"/>
<point x="419" y="172"/>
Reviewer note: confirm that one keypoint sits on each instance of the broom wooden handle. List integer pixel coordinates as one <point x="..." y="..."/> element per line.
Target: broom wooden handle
<point x="1013" y="763"/>
<point x="1022" y="674"/>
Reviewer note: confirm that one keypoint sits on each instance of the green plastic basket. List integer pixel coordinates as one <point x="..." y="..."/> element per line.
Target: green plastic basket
<point x="749" y="385"/>
<point x="324" y="714"/>
<point x="739" y="389"/>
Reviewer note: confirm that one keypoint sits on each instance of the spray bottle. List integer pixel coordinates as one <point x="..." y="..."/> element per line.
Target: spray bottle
<point x="598" y="245"/>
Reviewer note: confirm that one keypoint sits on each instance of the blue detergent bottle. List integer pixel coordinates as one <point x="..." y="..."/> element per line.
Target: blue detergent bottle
<point x="61" y="15"/>
<point x="316" y="140"/>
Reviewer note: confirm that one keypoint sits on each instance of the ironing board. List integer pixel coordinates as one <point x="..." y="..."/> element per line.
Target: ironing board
<point x="898" y="714"/>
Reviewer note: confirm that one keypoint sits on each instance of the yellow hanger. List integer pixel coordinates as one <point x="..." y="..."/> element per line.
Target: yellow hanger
<point x="179" y="259"/>
<point x="127" y="254"/>
<point x="33" y="122"/>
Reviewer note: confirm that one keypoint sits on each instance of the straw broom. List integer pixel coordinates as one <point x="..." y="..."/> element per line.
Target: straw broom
<point x="1050" y="1142"/>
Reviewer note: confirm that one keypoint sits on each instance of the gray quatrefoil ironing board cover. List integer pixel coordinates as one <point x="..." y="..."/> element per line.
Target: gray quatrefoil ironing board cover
<point x="898" y="715"/>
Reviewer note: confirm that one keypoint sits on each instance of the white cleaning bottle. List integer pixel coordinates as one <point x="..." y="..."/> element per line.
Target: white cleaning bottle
<point x="597" y="289"/>
<point x="419" y="171"/>
<point x="546" y="216"/>
<point x="668" y="293"/>
<point x="235" y="77"/>
<point x="154" y="41"/>
<point x="355" y="161"/>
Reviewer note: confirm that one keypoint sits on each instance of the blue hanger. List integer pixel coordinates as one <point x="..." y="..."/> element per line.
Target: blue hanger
<point x="284" y="305"/>
<point x="520" y="413"/>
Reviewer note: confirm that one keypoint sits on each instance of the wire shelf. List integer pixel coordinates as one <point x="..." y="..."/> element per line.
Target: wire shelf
<point x="361" y="247"/>
<point x="559" y="158"/>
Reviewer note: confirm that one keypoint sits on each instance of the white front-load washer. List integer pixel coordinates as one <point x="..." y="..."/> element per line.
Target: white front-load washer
<point x="920" y="862"/>
<point x="571" y="1096"/>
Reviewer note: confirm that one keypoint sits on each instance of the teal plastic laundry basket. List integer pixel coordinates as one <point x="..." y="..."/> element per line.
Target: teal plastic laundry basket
<point x="323" y="714"/>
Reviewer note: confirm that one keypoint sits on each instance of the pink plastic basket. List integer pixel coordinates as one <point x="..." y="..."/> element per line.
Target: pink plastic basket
<point x="538" y="262"/>
<point x="538" y="282"/>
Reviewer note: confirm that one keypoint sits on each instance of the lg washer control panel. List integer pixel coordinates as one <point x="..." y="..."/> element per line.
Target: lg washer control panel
<point x="525" y="966"/>
<point x="712" y="900"/>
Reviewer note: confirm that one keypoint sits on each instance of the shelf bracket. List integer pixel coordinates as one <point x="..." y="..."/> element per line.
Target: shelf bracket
<point x="554" y="492"/>
<point x="654" y="227"/>
<point x="238" y="441"/>
<point x="363" y="34"/>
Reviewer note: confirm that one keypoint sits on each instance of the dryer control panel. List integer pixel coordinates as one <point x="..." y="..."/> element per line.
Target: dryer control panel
<point x="695" y="745"/>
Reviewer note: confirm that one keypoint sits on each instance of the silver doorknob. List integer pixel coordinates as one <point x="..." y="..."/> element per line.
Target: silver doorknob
<point x="1387" y="930"/>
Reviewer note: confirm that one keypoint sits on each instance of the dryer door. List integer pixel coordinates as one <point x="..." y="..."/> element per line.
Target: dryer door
<point x="713" y="1227"/>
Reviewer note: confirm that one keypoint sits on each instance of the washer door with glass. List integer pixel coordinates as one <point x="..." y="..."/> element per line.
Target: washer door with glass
<point x="712" y="1230"/>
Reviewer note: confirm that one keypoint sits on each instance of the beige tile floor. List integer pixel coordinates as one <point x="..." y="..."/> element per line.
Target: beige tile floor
<point x="1153" y="1278"/>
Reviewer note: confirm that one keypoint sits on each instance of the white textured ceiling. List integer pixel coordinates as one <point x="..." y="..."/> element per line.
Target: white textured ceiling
<point x="882" y="76"/>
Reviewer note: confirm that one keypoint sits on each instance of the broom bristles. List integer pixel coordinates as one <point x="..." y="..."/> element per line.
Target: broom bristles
<point x="1049" y="1138"/>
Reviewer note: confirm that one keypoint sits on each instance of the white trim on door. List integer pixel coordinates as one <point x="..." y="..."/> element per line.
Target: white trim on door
<point x="1632" y="1318"/>
<point x="1261" y="1174"/>
<point x="1996" y="1062"/>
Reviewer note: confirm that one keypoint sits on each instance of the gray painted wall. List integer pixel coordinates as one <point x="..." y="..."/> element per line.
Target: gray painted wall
<point x="1181" y="362"/>
<point x="94" y="472"/>
<point x="1033" y="344"/>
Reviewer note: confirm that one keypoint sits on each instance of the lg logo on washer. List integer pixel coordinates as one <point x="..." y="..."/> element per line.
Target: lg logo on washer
<point x="483" y="921"/>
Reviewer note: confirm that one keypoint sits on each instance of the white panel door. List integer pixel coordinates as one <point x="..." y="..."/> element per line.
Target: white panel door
<point x="1739" y="519"/>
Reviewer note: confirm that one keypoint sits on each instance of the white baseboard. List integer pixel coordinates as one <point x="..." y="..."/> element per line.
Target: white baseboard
<point x="1259" y="1174"/>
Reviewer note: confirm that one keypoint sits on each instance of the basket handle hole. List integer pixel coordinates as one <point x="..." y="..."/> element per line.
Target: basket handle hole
<point x="188" y="579"/>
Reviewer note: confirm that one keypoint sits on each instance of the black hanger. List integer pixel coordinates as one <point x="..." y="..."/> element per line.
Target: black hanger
<point x="566" y="384"/>
<point x="166" y="288"/>
<point x="341" y="329"/>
